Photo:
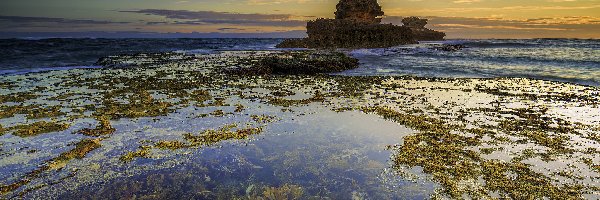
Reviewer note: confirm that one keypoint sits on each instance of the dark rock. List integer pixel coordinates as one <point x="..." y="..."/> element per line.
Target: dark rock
<point x="450" y="47"/>
<point x="357" y="25"/>
<point x="421" y="33"/>
<point x="414" y="22"/>
<point x="293" y="43"/>
<point x="296" y="63"/>
<point x="334" y="33"/>
<point x="140" y="59"/>
<point x="366" y="11"/>
<point x="428" y="35"/>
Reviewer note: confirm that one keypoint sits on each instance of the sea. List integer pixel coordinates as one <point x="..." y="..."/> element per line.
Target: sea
<point x="565" y="60"/>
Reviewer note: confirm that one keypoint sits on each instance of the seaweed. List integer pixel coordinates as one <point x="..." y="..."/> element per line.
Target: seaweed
<point x="263" y="119"/>
<point x="239" y="108"/>
<point x="218" y="113"/>
<point x="448" y="158"/>
<point x="2" y="131"/>
<point x="417" y="122"/>
<point x="39" y="113"/>
<point x="318" y="97"/>
<point x="200" y="96"/>
<point x="82" y="148"/>
<point x="10" y="111"/>
<point x="36" y="128"/>
<point x="18" y="97"/>
<point x="286" y="191"/>
<point x="8" y="85"/>
<point x="296" y="63"/>
<point x="103" y="128"/>
<point x="141" y="104"/>
<point x="447" y="145"/>
<point x="205" y="138"/>
<point x="211" y="136"/>
<point x="172" y="145"/>
<point x="142" y="152"/>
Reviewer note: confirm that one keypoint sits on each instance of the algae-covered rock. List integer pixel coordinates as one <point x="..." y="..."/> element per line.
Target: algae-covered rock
<point x="140" y="60"/>
<point x="82" y="148"/>
<point x="104" y="128"/>
<point x="37" y="128"/>
<point x="303" y="62"/>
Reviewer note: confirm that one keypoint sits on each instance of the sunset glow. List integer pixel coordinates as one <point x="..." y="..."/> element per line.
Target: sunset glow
<point x="458" y="18"/>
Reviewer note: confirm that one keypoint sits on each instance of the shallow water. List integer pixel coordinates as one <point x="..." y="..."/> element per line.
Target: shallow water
<point x="565" y="60"/>
<point x="576" y="61"/>
<point x="183" y="130"/>
<point x="308" y="151"/>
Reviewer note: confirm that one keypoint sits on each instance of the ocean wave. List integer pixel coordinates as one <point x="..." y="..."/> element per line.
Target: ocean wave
<point x="43" y="69"/>
<point x="569" y="60"/>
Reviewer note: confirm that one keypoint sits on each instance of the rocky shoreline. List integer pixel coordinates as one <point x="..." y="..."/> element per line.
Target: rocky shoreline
<point x="480" y="138"/>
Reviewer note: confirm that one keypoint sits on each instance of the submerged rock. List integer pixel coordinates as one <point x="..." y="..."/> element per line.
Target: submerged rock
<point x="357" y="25"/>
<point x="449" y="47"/>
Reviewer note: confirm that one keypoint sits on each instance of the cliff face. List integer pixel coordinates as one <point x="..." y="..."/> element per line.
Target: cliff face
<point x="357" y="25"/>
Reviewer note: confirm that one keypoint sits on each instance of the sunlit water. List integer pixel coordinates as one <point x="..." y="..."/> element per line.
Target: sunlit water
<point x="566" y="60"/>
<point x="576" y="61"/>
<point x="327" y="154"/>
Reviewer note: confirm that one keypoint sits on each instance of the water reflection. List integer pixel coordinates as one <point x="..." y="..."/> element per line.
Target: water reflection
<point x="325" y="154"/>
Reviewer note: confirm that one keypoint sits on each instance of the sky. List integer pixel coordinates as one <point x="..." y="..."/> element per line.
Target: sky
<point x="466" y="19"/>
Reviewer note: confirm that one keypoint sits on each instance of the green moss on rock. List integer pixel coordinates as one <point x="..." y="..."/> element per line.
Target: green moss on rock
<point x="104" y="128"/>
<point x="37" y="128"/>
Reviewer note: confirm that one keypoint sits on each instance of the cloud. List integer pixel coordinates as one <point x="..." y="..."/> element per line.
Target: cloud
<point x="230" y="29"/>
<point x="213" y="17"/>
<point x="461" y="10"/>
<point x="466" y="1"/>
<point x="22" y="19"/>
<point x="139" y="34"/>
<point x="463" y="27"/>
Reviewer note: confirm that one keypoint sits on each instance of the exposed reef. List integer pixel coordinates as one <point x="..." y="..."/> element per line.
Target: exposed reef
<point x="357" y="24"/>
<point x="475" y="138"/>
<point x="296" y="63"/>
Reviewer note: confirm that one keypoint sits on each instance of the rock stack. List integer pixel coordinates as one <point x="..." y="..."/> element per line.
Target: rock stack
<point x="421" y="33"/>
<point x="357" y="24"/>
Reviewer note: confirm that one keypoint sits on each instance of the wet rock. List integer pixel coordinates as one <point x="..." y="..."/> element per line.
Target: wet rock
<point x="141" y="59"/>
<point x="293" y="43"/>
<point x="302" y="62"/>
<point x="449" y="47"/>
